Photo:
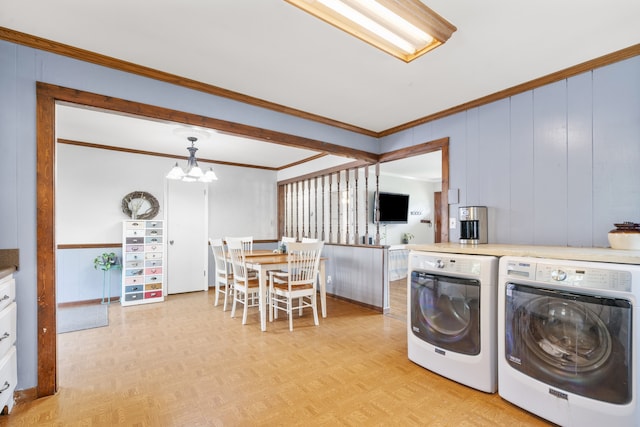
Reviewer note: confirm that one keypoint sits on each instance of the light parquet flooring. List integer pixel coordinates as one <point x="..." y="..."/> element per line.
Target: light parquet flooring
<point x="186" y="363"/>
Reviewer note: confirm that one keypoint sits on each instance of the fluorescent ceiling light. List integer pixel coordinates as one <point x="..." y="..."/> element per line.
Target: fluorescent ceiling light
<point x="405" y="29"/>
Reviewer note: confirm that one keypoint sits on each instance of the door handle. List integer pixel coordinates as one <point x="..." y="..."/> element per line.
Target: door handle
<point x="171" y="242"/>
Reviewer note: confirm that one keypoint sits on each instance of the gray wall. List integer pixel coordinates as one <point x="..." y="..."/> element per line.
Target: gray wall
<point x="557" y="165"/>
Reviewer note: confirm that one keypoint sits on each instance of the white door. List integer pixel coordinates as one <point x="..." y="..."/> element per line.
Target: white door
<point x="187" y="232"/>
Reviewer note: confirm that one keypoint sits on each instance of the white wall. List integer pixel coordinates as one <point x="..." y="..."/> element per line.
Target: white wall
<point x="91" y="183"/>
<point x="420" y="200"/>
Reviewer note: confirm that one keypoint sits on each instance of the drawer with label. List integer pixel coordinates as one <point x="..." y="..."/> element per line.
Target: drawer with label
<point x="136" y="280"/>
<point x="132" y="256"/>
<point x="133" y="288"/>
<point x="134" y="272"/>
<point x="154" y="232"/>
<point x="133" y="296"/>
<point x="153" y="294"/>
<point x="134" y="264"/>
<point x="152" y="270"/>
<point x="154" y="247"/>
<point x="152" y="279"/>
<point x="153" y="263"/>
<point x="152" y="286"/>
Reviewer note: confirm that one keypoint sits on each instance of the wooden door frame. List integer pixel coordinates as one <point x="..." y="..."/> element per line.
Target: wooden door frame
<point x="441" y="144"/>
<point x="47" y="95"/>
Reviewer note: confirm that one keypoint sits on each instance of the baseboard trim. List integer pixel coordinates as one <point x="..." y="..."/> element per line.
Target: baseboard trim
<point x="25" y="396"/>
<point x="85" y="302"/>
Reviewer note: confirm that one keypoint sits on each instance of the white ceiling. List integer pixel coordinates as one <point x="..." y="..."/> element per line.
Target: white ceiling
<point x="273" y="51"/>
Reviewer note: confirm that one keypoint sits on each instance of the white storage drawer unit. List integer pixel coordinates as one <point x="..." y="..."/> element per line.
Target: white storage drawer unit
<point x="142" y="276"/>
<point x="8" y="360"/>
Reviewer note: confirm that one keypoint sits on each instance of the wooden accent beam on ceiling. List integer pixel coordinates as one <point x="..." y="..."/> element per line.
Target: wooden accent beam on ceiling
<point x="153" y="112"/>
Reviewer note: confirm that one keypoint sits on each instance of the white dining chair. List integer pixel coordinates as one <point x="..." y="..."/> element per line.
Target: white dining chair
<point x="309" y="240"/>
<point x="247" y="242"/>
<point x="223" y="274"/>
<point x="245" y="284"/>
<point x="297" y="284"/>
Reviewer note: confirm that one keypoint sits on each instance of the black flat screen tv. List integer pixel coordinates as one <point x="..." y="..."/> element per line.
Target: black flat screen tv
<point x="393" y="208"/>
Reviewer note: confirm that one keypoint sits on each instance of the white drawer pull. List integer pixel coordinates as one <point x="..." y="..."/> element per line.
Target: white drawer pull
<point x="5" y="297"/>
<point x="6" y="386"/>
<point x="5" y="336"/>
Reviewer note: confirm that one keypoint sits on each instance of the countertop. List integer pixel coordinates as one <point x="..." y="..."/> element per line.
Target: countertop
<point x="9" y="262"/>
<point x="553" y="252"/>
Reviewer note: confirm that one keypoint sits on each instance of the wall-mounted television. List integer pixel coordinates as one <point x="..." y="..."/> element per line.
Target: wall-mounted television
<point x="392" y="207"/>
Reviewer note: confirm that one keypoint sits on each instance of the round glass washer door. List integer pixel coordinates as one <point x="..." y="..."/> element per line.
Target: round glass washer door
<point x="445" y="310"/>
<point x="566" y="335"/>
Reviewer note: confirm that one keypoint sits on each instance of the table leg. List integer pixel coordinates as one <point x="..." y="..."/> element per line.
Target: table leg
<point x="323" y="289"/>
<point x="262" y="298"/>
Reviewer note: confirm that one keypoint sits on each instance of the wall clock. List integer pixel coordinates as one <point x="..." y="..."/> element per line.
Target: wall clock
<point x="140" y="205"/>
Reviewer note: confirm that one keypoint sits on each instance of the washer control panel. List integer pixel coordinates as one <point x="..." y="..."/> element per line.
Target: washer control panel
<point x="446" y="263"/>
<point x="570" y="275"/>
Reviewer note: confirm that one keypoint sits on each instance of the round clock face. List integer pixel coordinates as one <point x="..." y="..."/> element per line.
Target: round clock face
<point x="140" y="205"/>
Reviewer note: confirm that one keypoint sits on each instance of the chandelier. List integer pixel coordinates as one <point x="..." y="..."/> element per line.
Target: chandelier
<point x="193" y="172"/>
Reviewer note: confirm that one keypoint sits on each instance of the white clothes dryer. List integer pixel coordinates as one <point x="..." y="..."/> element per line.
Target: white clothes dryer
<point x="451" y="307"/>
<point x="568" y="340"/>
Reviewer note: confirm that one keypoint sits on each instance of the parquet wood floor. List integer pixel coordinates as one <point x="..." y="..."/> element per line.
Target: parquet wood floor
<point x="186" y="363"/>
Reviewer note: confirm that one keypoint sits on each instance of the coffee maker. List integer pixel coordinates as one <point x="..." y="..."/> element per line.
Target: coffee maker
<point x="473" y="224"/>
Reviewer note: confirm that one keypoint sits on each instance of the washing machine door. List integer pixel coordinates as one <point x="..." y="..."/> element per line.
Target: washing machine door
<point x="445" y="312"/>
<point x="578" y="343"/>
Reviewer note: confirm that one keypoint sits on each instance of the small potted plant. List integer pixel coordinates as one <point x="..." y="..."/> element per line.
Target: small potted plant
<point x="105" y="261"/>
<point x="406" y="237"/>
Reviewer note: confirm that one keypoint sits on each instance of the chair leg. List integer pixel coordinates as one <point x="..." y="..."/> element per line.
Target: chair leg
<point x="290" y="312"/>
<point x="215" y="303"/>
<point x="314" y="307"/>
<point x="233" y="306"/>
<point x="226" y="292"/>
<point x="246" y="305"/>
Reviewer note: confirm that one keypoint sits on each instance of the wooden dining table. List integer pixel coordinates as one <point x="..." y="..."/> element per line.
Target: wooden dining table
<point x="263" y="261"/>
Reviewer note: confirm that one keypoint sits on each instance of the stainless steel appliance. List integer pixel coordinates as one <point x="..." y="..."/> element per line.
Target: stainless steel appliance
<point x="451" y="303"/>
<point x="568" y="339"/>
<point x="473" y="224"/>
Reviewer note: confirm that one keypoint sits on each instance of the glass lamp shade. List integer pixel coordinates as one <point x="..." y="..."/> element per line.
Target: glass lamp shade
<point x="195" y="172"/>
<point x="209" y="176"/>
<point x="176" y="172"/>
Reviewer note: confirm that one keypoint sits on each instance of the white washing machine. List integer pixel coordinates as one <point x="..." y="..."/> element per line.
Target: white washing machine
<point x="451" y="307"/>
<point x="568" y="340"/>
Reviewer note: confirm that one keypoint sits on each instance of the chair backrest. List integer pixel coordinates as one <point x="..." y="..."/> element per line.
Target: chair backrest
<point x="303" y="261"/>
<point x="247" y="242"/>
<point x="309" y="240"/>
<point x="220" y="258"/>
<point x="236" y="252"/>
<point x="287" y="239"/>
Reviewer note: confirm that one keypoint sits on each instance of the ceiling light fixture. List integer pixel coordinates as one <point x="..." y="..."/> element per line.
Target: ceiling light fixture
<point x="193" y="172"/>
<point x="405" y="29"/>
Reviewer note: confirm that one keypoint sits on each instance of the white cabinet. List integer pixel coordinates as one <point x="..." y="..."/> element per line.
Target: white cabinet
<point x="143" y="249"/>
<point x="8" y="360"/>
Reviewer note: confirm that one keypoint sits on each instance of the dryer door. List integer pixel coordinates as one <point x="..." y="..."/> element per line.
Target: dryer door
<point x="445" y="312"/>
<point x="577" y="343"/>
